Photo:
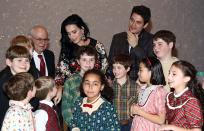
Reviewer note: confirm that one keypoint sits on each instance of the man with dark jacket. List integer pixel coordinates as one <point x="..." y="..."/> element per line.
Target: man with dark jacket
<point x="136" y="42"/>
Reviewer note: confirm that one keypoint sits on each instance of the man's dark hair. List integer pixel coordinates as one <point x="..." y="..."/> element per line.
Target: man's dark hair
<point x="142" y="11"/>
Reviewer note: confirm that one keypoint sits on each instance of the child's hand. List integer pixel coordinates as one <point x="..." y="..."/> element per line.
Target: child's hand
<point x="167" y="128"/>
<point x="135" y="110"/>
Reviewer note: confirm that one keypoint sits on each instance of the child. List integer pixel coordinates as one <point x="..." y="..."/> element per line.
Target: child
<point x="86" y="59"/>
<point x="22" y="40"/>
<point x="149" y="112"/>
<point x="46" y="117"/>
<point x="164" y="47"/>
<point x="94" y="113"/>
<point x="20" y="90"/>
<point x="17" y="60"/>
<point x="124" y="89"/>
<point x="183" y="108"/>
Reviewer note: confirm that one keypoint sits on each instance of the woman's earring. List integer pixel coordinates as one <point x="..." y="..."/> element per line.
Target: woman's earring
<point x="83" y="37"/>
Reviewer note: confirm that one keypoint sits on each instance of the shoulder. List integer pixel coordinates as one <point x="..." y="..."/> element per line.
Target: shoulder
<point x="6" y="72"/>
<point x="193" y="102"/>
<point x="120" y="35"/>
<point x="49" y="52"/>
<point x="107" y="105"/>
<point x="40" y="113"/>
<point x="160" y="88"/>
<point x="75" y="76"/>
<point x="78" y="101"/>
<point x="146" y="34"/>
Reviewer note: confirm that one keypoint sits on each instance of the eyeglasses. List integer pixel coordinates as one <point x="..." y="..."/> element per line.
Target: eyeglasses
<point x="46" y="40"/>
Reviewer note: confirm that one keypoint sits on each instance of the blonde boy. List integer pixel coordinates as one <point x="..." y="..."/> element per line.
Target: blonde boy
<point x="46" y="117"/>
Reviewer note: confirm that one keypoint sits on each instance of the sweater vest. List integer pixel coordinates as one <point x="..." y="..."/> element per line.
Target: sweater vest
<point x="52" y="123"/>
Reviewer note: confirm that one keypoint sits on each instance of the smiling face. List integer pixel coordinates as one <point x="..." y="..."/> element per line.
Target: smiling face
<point x="74" y="33"/>
<point x="18" y="65"/>
<point x="92" y="86"/>
<point x="176" y="78"/>
<point x="119" y="71"/>
<point x="162" y="49"/>
<point x="136" y="23"/>
<point x="144" y="74"/>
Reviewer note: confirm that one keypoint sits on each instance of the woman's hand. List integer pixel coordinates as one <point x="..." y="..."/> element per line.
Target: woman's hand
<point x="58" y="96"/>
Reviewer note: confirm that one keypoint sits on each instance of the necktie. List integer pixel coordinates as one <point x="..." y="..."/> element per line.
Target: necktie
<point x="42" y="65"/>
<point x="87" y="105"/>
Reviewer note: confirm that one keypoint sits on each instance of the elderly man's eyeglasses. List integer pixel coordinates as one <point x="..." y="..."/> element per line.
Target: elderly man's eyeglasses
<point x="42" y="40"/>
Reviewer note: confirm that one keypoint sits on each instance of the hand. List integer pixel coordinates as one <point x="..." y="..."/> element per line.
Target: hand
<point x="58" y="96"/>
<point x="167" y="128"/>
<point x="132" y="39"/>
<point x="136" y="110"/>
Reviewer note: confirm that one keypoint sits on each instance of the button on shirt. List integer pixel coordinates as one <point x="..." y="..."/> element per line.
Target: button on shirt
<point x="37" y="61"/>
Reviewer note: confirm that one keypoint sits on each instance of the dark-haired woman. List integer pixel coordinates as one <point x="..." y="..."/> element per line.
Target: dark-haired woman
<point x="75" y="33"/>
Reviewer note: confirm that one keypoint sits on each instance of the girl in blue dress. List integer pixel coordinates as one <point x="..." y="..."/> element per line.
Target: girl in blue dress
<point x="93" y="112"/>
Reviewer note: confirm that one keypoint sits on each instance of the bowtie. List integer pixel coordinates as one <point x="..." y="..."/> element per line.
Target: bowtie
<point x="88" y="105"/>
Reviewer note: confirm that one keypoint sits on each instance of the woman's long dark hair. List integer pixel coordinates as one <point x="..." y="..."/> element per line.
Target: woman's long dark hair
<point x="67" y="46"/>
<point x="189" y="70"/>
<point x="106" y="93"/>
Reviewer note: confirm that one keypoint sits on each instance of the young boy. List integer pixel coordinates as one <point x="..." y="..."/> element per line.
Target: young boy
<point x="125" y="91"/>
<point x="163" y="47"/>
<point x="86" y="58"/>
<point x="17" y="60"/>
<point x="46" y="117"/>
<point x="20" y="90"/>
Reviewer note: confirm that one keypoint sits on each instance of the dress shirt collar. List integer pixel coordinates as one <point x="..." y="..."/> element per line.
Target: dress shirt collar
<point x="47" y="102"/>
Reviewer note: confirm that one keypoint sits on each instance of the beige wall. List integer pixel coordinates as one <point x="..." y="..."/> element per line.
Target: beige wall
<point x="105" y="18"/>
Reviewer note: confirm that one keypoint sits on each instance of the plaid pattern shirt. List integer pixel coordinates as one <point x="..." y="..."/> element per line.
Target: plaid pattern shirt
<point x="189" y="115"/>
<point x="70" y="94"/>
<point x="124" y="96"/>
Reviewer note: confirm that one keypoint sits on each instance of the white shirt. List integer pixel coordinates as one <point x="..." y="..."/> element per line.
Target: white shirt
<point x="41" y="116"/>
<point x="37" y="61"/>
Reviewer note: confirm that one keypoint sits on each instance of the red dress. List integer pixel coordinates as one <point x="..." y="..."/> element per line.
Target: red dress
<point x="184" y="111"/>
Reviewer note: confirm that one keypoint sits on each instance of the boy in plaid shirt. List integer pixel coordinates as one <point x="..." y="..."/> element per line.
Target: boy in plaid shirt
<point x="125" y="91"/>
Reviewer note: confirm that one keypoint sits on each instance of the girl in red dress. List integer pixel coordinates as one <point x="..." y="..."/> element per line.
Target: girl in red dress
<point x="183" y="107"/>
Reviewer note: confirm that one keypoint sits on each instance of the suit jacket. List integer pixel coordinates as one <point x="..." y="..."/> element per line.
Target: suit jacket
<point x="50" y="62"/>
<point x="120" y="45"/>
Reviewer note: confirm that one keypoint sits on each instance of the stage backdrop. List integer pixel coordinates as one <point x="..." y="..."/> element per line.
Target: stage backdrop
<point x="105" y="18"/>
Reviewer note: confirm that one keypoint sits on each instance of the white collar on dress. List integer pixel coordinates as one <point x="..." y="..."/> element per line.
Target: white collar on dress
<point x="96" y="104"/>
<point x="47" y="102"/>
<point x="181" y="93"/>
<point x="144" y="94"/>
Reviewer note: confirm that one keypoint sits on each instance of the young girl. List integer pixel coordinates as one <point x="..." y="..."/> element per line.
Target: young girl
<point x="149" y="112"/>
<point x="183" y="108"/>
<point x="93" y="112"/>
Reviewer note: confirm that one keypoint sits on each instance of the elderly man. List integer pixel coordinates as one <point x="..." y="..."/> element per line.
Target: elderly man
<point x="43" y="59"/>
